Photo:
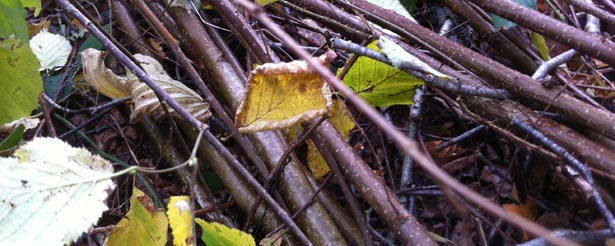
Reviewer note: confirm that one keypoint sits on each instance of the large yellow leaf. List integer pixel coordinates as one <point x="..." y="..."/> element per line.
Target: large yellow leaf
<point x="143" y="225"/>
<point x="180" y="218"/>
<point x="221" y="235"/>
<point x="283" y="94"/>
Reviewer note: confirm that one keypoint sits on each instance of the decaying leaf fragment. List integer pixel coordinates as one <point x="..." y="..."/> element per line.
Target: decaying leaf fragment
<point x="283" y="94"/>
<point x="145" y="101"/>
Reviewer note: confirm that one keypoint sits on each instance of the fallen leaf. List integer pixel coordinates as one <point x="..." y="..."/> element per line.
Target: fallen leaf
<point x="51" y="193"/>
<point x="379" y="84"/>
<point x="145" y="101"/>
<point x="101" y="78"/>
<point x="21" y="82"/>
<point x="342" y="121"/>
<point x="52" y="50"/>
<point x="143" y="225"/>
<point x="283" y="94"/>
<point x="180" y="219"/>
<point x="219" y="234"/>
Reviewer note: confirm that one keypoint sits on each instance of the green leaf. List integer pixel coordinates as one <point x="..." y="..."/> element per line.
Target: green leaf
<point x="501" y="23"/>
<point x="51" y="192"/>
<point x="541" y="45"/>
<point x="380" y="84"/>
<point x="21" y="82"/>
<point x="92" y="42"/>
<point x="219" y="234"/>
<point x="13" y="139"/>
<point x="56" y="85"/>
<point x="32" y="4"/>
<point x="410" y="5"/>
<point x="13" y="20"/>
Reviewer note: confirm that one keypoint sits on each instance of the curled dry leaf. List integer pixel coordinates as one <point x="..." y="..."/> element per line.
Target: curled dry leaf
<point x="101" y="78"/>
<point x="145" y="101"/>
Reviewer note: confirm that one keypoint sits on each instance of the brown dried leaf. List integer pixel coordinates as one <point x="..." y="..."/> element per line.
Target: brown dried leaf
<point x="101" y="78"/>
<point x="146" y="102"/>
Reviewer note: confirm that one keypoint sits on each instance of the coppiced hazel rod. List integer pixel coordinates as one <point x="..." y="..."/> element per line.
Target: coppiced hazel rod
<point x="406" y="145"/>
<point x="165" y="98"/>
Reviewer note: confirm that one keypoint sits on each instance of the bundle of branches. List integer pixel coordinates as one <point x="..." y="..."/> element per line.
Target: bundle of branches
<point x="539" y="155"/>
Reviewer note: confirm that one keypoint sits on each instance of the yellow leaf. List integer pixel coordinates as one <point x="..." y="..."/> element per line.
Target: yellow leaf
<point x="220" y="235"/>
<point x="341" y="119"/>
<point x="206" y="5"/>
<point x="143" y="225"/>
<point x="281" y="95"/>
<point x="265" y="2"/>
<point x="180" y="218"/>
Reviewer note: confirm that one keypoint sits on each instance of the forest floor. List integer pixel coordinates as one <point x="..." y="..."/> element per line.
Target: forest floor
<point x="503" y="149"/>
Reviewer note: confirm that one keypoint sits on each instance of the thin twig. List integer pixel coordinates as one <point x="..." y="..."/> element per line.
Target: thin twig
<point x="575" y="163"/>
<point x="429" y="79"/>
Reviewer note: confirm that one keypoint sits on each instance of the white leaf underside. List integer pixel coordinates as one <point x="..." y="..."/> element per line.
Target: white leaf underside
<point x="51" y="194"/>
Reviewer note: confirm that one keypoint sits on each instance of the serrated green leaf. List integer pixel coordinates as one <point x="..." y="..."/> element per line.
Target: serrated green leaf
<point x="219" y="234"/>
<point x="13" y="20"/>
<point x="380" y="84"/>
<point x="501" y="23"/>
<point x="21" y="82"/>
<point x="13" y="139"/>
